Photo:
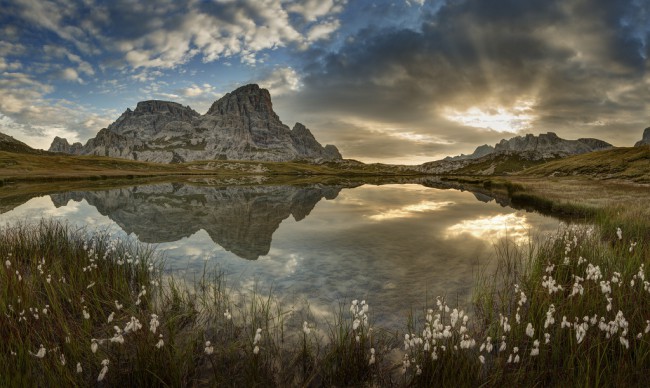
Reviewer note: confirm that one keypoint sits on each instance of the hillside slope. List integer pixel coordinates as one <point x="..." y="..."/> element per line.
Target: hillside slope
<point x="625" y="163"/>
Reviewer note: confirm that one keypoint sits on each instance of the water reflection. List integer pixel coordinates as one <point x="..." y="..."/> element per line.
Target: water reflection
<point x="241" y="220"/>
<point x="394" y="245"/>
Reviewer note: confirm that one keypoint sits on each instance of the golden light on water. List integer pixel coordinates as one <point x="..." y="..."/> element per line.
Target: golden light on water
<point x="410" y="210"/>
<point x="515" y="226"/>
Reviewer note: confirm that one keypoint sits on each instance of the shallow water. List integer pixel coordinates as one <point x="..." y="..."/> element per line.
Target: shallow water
<point x="394" y="245"/>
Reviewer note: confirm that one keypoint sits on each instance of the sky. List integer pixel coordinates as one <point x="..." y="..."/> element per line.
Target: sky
<point x="401" y="81"/>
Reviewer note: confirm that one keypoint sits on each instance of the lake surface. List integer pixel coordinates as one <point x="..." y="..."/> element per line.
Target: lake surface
<point x="393" y="245"/>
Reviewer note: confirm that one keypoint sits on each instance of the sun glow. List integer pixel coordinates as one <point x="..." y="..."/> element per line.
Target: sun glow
<point x="410" y="210"/>
<point x="513" y="119"/>
<point x="514" y="226"/>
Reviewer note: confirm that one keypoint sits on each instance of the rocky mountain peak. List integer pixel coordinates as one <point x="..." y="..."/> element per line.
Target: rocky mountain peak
<point x="164" y="107"/>
<point x="9" y="144"/>
<point x="244" y="101"/>
<point x="241" y="125"/>
<point x="645" y="140"/>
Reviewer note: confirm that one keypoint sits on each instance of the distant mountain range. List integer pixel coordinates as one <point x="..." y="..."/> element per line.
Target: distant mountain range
<point x="239" y="126"/>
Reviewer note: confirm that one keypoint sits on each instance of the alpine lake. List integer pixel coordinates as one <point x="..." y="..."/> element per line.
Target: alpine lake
<point x="397" y="244"/>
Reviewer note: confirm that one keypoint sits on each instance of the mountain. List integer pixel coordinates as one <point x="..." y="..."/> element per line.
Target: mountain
<point x="9" y="144"/>
<point x="645" y="140"/>
<point x="478" y="152"/>
<point x="514" y="154"/>
<point x="239" y="126"/>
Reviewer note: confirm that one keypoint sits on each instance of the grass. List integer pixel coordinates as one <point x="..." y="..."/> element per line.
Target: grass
<point x="59" y="286"/>
<point x="625" y="163"/>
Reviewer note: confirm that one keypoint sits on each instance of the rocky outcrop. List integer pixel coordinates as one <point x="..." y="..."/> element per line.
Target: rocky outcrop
<point x="645" y="140"/>
<point x="479" y="152"/>
<point x="239" y="126"/>
<point x="248" y="215"/>
<point x="550" y="145"/>
<point x="513" y="154"/>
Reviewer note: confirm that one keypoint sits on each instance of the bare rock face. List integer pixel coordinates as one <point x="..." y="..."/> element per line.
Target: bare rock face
<point x="479" y="152"/>
<point x="239" y="126"/>
<point x="549" y="144"/>
<point x="645" y="140"/>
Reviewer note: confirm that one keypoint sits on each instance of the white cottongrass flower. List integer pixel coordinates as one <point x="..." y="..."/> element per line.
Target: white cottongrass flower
<point x="118" y="306"/>
<point x="581" y="331"/>
<point x="117" y="337"/>
<point x="256" y="349"/>
<point x="355" y="324"/>
<point x="62" y="359"/>
<point x="90" y="285"/>
<point x="8" y="264"/>
<point x="104" y="370"/>
<point x="535" y="350"/>
<point x="481" y="358"/>
<point x="86" y="314"/>
<point x="305" y="328"/>
<point x="503" y="344"/>
<point x="547" y="338"/>
<point x="258" y="336"/>
<point x="40" y="353"/>
<point x="227" y="315"/>
<point x="209" y="349"/>
<point x="133" y="325"/>
<point x="530" y="331"/>
<point x="619" y="233"/>
<point x="160" y="343"/>
<point x="79" y="368"/>
<point x="154" y="323"/>
<point x="110" y="317"/>
<point x="647" y="328"/>
<point x="624" y="342"/>
<point x="372" y="356"/>
<point x="549" y="316"/>
<point x="93" y="345"/>
<point x="565" y="323"/>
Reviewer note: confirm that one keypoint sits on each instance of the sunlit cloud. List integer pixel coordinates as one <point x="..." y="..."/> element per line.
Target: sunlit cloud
<point x="515" y="226"/>
<point x="516" y="118"/>
<point x="410" y="210"/>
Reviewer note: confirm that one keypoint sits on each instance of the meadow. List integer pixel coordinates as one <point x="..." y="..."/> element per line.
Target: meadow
<point x="80" y="308"/>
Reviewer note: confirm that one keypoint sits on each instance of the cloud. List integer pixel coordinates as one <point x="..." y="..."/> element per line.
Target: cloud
<point x="311" y="10"/>
<point x="281" y="81"/>
<point x="475" y="67"/>
<point x="70" y="74"/>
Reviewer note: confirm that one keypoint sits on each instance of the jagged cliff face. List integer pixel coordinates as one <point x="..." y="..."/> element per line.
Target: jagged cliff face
<point x="645" y="140"/>
<point x="9" y="144"/>
<point x="549" y="144"/>
<point x="248" y="216"/>
<point x="239" y="126"/>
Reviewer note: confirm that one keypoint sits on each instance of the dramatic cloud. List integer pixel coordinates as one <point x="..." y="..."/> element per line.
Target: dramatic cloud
<point x="395" y="81"/>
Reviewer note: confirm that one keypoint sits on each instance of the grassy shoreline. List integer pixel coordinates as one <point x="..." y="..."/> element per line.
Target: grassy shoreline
<point x="60" y="288"/>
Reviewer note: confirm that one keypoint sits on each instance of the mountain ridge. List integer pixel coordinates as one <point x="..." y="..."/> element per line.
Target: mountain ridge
<point x="241" y="125"/>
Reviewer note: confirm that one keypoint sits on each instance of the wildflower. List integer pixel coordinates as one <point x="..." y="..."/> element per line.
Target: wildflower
<point x="160" y="343"/>
<point x="619" y="233"/>
<point x="93" y="345"/>
<point x="227" y="315"/>
<point x="86" y="314"/>
<point x="258" y="336"/>
<point x="593" y="272"/>
<point x="481" y="358"/>
<point x="565" y="323"/>
<point x="209" y="349"/>
<point x="104" y="370"/>
<point x="549" y="316"/>
<point x="372" y="356"/>
<point x="133" y="325"/>
<point x="256" y="349"/>
<point x="305" y="328"/>
<point x="355" y="324"/>
<point x="647" y="328"/>
<point x="581" y="331"/>
<point x="624" y="342"/>
<point x="117" y="337"/>
<point x="530" y="331"/>
<point x="418" y="370"/>
<point x="547" y="338"/>
<point x="79" y="368"/>
<point x="154" y="323"/>
<point x="41" y="352"/>
<point x="110" y="317"/>
<point x="8" y="264"/>
<point x="503" y="344"/>
<point x="118" y="306"/>
<point x="516" y="360"/>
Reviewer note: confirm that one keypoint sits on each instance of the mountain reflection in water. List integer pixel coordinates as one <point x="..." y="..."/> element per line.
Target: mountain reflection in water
<point x="242" y="220"/>
<point x="396" y="245"/>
